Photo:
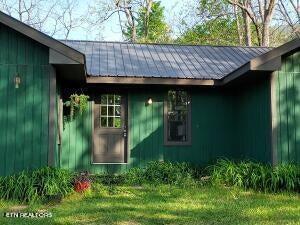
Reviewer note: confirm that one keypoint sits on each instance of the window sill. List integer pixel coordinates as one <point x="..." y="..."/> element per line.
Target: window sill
<point x="177" y="144"/>
<point x="109" y="163"/>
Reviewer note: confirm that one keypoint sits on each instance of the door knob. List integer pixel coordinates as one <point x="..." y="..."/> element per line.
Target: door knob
<point x="124" y="131"/>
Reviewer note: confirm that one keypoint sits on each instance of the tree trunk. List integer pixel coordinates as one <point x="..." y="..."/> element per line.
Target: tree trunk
<point x="247" y="29"/>
<point x="133" y="34"/>
<point x="268" y="14"/>
<point x="238" y="25"/>
<point x="261" y="19"/>
<point x="131" y="23"/>
<point x="266" y="34"/>
<point x="146" y="19"/>
<point x="20" y="11"/>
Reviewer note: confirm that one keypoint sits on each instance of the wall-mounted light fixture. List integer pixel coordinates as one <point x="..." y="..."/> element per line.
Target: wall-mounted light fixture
<point x="149" y="101"/>
<point x="17" y="80"/>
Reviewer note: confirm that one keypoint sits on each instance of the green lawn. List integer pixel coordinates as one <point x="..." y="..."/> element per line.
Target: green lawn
<point x="166" y="205"/>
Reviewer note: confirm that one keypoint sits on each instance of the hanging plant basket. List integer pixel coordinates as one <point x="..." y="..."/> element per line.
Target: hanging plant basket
<point x="78" y="104"/>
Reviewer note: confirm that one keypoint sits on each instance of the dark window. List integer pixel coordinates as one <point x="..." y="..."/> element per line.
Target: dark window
<point x="177" y="118"/>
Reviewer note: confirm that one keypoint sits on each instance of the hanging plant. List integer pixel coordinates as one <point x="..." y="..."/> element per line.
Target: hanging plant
<point x="77" y="104"/>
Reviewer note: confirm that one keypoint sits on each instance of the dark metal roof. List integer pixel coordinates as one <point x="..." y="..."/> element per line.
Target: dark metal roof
<point x="163" y="60"/>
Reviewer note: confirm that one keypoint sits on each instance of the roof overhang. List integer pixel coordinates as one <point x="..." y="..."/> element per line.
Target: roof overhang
<point x="60" y="55"/>
<point x="269" y="61"/>
<point x="67" y="68"/>
<point x="41" y="38"/>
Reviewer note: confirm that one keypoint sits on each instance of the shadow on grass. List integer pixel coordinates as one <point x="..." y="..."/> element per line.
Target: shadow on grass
<point x="165" y="206"/>
<point x="169" y="205"/>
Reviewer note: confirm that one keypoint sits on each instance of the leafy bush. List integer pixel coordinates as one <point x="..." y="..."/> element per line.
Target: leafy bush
<point x="168" y="173"/>
<point x="135" y="176"/>
<point x="256" y="176"/>
<point x="162" y="173"/>
<point x="39" y="184"/>
<point x="108" y="179"/>
<point x="153" y="173"/>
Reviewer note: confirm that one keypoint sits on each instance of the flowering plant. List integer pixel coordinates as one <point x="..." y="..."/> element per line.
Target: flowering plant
<point x="82" y="182"/>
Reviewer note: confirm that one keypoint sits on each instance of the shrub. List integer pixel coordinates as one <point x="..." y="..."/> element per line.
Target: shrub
<point x="153" y="173"/>
<point x="39" y="184"/>
<point x="256" y="176"/>
<point x="135" y="176"/>
<point x="162" y="173"/>
<point x="108" y="179"/>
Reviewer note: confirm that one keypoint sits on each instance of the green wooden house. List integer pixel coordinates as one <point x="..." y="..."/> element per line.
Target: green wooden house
<point x="147" y="102"/>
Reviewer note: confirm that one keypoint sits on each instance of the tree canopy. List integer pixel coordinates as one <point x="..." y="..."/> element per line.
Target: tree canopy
<point x="212" y="32"/>
<point x="151" y="26"/>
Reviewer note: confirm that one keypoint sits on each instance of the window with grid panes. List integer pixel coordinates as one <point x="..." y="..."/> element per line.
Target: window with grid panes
<point x="110" y="111"/>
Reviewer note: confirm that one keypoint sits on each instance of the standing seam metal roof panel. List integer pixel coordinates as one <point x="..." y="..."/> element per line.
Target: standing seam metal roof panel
<point x="217" y="59"/>
<point x="197" y="61"/>
<point x="187" y="64"/>
<point x="216" y="71"/>
<point x="163" y="60"/>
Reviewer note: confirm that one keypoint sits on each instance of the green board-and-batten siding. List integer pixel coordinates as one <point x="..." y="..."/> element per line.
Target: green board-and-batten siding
<point x="252" y="114"/>
<point x="223" y="125"/>
<point x="24" y="111"/>
<point x="287" y="124"/>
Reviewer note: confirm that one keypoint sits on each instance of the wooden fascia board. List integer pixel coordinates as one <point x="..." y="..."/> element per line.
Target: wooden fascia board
<point x="150" y="81"/>
<point x="275" y="53"/>
<point x="235" y="74"/>
<point x="57" y="58"/>
<point x="270" y="65"/>
<point x="41" y="38"/>
<point x="269" y="61"/>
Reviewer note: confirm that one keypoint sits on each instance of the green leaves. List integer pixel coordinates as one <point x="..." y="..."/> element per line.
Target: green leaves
<point x="77" y="104"/>
<point x="157" y="173"/>
<point x="154" y="173"/>
<point x="256" y="176"/>
<point x="151" y="27"/>
<point x="221" y="31"/>
<point x="36" y="185"/>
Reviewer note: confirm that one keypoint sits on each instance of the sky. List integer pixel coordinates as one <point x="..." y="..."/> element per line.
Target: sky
<point x="110" y="30"/>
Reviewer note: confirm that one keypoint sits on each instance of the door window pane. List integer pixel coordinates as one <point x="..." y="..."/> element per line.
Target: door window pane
<point x="103" y="121"/>
<point x="103" y="110"/>
<point x="110" y="111"/>
<point x="117" y="110"/>
<point x="117" y="99"/>
<point x="117" y="122"/>
<point x="110" y="122"/>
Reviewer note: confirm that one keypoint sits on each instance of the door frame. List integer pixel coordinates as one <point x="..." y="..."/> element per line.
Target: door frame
<point x="126" y="142"/>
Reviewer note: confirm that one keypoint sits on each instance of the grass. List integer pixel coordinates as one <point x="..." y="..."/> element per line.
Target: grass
<point x="165" y="205"/>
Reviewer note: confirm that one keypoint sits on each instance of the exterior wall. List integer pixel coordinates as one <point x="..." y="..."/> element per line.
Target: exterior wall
<point x="288" y="110"/>
<point x="211" y="129"/>
<point x="253" y="121"/>
<point x="233" y="123"/>
<point x="24" y="111"/>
